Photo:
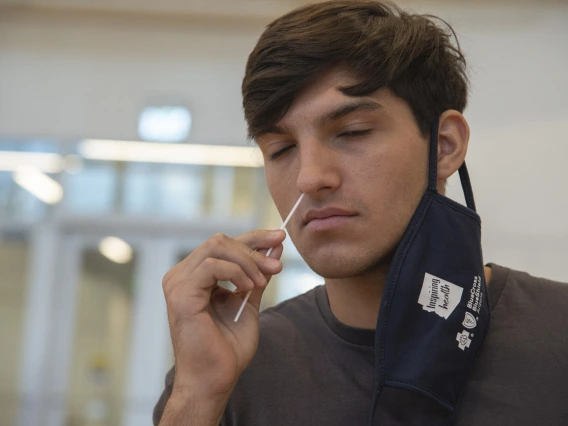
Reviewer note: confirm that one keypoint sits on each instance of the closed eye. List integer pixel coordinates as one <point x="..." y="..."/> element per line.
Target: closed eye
<point x="355" y="133"/>
<point x="282" y="151"/>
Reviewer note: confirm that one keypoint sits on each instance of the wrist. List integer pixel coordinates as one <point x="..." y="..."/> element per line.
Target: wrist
<point x="186" y="408"/>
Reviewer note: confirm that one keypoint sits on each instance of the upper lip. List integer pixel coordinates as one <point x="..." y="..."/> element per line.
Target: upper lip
<point x="326" y="212"/>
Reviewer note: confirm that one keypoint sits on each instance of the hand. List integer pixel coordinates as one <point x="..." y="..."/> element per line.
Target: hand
<point x="211" y="350"/>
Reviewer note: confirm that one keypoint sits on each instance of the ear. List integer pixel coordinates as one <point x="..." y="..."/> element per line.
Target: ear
<point x="453" y="137"/>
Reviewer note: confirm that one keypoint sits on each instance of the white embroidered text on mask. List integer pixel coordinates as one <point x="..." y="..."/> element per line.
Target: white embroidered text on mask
<point x="439" y="296"/>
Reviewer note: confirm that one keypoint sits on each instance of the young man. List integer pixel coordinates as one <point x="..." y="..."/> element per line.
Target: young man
<point x="359" y="106"/>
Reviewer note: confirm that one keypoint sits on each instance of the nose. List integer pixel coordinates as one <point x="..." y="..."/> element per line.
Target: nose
<point x="318" y="175"/>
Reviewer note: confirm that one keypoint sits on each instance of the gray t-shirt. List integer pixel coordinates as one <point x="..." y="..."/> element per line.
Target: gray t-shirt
<point x="310" y="369"/>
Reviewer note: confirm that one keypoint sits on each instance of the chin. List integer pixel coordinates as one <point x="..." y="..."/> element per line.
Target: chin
<point x="337" y="267"/>
<point x="334" y="271"/>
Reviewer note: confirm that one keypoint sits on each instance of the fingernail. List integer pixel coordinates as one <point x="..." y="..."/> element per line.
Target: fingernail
<point x="273" y="262"/>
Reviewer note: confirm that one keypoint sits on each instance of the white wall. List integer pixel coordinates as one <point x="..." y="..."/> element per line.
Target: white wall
<point x="90" y="78"/>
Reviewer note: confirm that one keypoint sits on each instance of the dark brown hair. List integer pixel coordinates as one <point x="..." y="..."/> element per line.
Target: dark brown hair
<point x="381" y="44"/>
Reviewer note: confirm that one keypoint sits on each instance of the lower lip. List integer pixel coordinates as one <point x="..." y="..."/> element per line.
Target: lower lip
<point x="328" y="222"/>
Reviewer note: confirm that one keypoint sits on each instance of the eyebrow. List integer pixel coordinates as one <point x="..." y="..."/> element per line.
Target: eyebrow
<point x="336" y="114"/>
<point x="344" y="110"/>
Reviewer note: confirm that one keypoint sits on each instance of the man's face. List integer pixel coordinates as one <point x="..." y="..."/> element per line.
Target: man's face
<point x="362" y="163"/>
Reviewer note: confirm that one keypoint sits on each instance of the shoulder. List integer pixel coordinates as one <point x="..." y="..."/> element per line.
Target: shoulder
<point x="523" y="295"/>
<point x="523" y="353"/>
<point x="527" y="284"/>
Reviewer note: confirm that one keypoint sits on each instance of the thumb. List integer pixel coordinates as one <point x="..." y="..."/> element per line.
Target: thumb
<point x="256" y="295"/>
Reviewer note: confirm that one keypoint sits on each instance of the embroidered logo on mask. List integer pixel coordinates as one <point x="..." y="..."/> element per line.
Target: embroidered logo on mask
<point x="439" y="296"/>
<point x="469" y="321"/>
<point x="463" y="340"/>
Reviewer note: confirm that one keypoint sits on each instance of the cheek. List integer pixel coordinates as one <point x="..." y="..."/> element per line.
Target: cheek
<point x="409" y="183"/>
<point x="395" y="179"/>
<point x="408" y="173"/>
<point x="281" y="186"/>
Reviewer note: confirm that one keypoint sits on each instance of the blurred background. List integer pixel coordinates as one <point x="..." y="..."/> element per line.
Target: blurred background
<point x="123" y="147"/>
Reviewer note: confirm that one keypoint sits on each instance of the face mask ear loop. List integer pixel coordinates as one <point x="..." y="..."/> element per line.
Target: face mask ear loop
<point x="433" y="157"/>
<point x="466" y="186"/>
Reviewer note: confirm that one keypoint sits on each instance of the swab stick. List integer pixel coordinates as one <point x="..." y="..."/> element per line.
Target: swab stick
<point x="268" y="254"/>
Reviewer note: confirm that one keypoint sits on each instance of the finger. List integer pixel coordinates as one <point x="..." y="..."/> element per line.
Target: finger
<point x="222" y="247"/>
<point x="213" y="270"/>
<point x="256" y="295"/>
<point x="277" y="252"/>
<point x="193" y="295"/>
<point x="261" y="238"/>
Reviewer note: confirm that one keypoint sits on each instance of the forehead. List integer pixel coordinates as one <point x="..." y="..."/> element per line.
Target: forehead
<point x="324" y="95"/>
<point x="319" y="96"/>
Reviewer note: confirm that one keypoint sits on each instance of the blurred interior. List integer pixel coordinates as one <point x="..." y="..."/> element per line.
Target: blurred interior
<point x="123" y="147"/>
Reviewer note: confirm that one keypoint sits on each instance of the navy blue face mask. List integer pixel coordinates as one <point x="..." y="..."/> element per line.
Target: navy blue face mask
<point x="434" y="311"/>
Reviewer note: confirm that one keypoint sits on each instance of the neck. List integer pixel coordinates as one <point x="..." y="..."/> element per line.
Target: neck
<point x="355" y="301"/>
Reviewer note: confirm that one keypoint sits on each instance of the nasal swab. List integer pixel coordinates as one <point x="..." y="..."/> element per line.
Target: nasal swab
<point x="268" y="254"/>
